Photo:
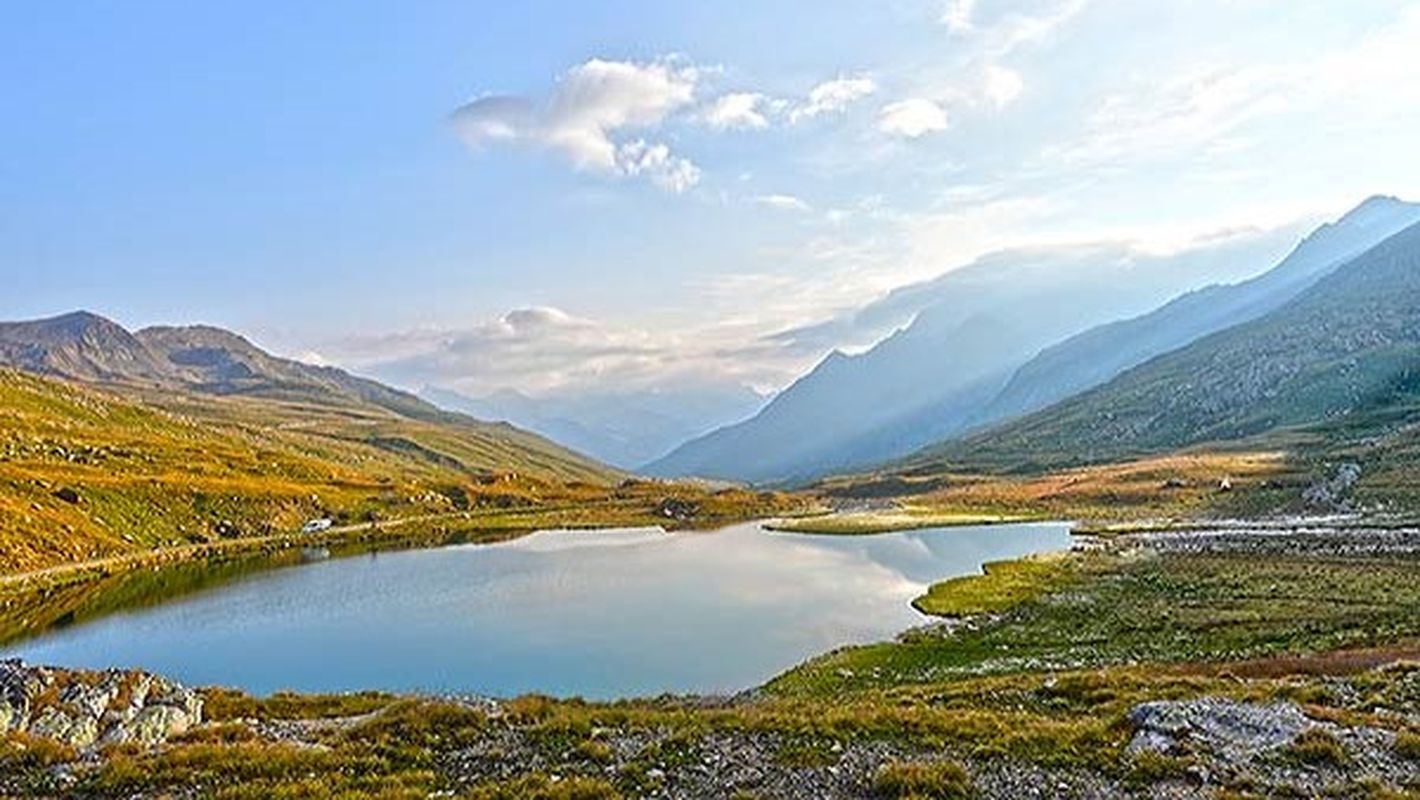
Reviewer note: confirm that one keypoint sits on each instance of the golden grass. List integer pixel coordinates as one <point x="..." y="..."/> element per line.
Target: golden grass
<point x="906" y="518"/>
<point x="90" y="475"/>
<point x="1181" y="485"/>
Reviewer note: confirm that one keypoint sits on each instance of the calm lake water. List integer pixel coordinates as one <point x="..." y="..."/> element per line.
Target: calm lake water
<point x="598" y="614"/>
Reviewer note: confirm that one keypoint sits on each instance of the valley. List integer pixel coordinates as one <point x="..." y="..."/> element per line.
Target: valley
<point x="1194" y="577"/>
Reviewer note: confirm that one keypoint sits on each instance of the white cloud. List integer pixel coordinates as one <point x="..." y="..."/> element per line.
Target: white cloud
<point x="783" y="202"/>
<point x="654" y="161"/>
<point x="1001" y="86"/>
<point x="737" y="111"/>
<point x="957" y="16"/>
<point x="542" y="350"/>
<point x="832" y="97"/>
<point x="582" y="116"/>
<point x="912" y="118"/>
<point x="1208" y="111"/>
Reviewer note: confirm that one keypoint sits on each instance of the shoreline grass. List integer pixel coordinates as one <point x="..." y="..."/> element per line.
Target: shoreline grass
<point x="867" y="523"/>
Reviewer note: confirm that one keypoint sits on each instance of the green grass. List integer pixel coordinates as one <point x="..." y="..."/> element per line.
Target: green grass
<point x="1407" y="745"/>
<point x="1001" y="586"/>
<point x="1169" y="609"/>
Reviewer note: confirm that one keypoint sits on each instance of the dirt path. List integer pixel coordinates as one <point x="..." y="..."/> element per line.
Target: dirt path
<point x="109" y="565"/>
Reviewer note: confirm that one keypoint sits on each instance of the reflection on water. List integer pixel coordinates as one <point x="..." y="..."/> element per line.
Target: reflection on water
<point x="599" y="614"/>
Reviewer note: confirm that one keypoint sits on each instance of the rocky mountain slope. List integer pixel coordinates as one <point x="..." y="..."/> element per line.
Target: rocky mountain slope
<point x="1093" y="357"/>
<point x="1343" y="358"/>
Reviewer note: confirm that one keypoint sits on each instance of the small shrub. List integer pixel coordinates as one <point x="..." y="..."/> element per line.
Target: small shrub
<point x="937" y="780"/>
<point x="1318" y="747"/>
<point x="593" y="750"/>
<point x="529" y="708"/>
<point x="811" y="752"/>
<point x="1147" y="768"/>
<point x="23" y="751"/>
<point x="1407" y="745"/>
<point x="539" y="787"/>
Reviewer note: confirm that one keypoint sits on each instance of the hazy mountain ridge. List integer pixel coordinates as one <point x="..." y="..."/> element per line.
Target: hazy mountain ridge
<point x="1094" y="356"/>
<point x="625" y="429"/>
<point x="911" y="388"/>
<point x="1348" y="348"/>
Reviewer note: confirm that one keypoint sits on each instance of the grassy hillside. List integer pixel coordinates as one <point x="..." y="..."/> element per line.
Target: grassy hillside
<point x="86" y="473"/>
<point x="1336" y="368"/>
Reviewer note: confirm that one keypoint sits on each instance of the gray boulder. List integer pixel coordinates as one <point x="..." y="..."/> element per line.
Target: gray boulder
<point x="1237" y="731"/>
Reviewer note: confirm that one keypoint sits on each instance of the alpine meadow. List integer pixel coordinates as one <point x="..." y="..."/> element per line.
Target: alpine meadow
<point x="951" y="399"/>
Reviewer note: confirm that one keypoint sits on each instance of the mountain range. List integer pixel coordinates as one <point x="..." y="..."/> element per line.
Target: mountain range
<point x="623" y="428"/>
<point x="1095" y="356"/>
<point x="1340" y="357"/>
<point x="971" y="329"/>
<point x="175" y="367"/>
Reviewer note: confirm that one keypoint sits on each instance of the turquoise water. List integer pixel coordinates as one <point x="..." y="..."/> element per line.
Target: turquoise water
<point x="598" y="614"/>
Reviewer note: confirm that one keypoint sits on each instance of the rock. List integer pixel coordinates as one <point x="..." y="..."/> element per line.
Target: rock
<point x="9" y="715"/>
<point x="1234" y="730"/>
<point x="68" y="494"/>
<point x="17" y="687"/>
<point x="1333" y="494"/>
<point x="76" y="730"/>
<point x="94" y="708"/>
<point x="152" y="726"/>
<point x="678" y="509"/>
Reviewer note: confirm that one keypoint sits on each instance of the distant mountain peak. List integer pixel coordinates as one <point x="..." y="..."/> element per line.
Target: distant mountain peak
<point x="75" y="324"/>
<point x="1372" y="208"/>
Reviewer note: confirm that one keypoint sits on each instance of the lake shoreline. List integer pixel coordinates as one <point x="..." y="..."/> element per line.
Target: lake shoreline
<point x="1019" y="710"/>
<point x="561" y="585"/>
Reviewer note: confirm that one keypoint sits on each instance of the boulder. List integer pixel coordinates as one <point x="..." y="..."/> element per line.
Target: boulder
<point x="73" y="728"/>
<point x="86" y="709"/>
<point x="151" y="726"/>
<point x="1237" y="731"/>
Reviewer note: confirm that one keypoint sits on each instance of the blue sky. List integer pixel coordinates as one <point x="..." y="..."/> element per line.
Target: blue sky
<point x="560" y="195"/>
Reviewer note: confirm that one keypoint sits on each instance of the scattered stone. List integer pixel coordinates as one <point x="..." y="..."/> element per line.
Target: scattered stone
<point x="1334" y="494"/>
<point x="678" y="509"/>
<point x="85" y="709"/>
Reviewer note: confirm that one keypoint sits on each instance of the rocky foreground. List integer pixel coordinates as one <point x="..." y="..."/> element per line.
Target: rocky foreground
<point x="89" y="711"/>
<point x="1176" y="748"/>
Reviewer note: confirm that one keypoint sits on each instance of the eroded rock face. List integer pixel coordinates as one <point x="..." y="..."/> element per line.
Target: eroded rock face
<point x="86" y="709"/>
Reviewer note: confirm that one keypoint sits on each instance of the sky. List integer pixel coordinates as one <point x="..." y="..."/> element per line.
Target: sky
<point x="570" y="196"/>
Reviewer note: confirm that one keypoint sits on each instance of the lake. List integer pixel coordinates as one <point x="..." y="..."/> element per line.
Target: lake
<point x="600" y="614"/>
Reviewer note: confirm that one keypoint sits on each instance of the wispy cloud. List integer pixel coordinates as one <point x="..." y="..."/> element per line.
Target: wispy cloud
<point x="783" y="202"/>
<point x="834" y="96"/>
<point x="545" y="350"/>
<point x="912" y="118"/>
<point x="1205" y="109"/>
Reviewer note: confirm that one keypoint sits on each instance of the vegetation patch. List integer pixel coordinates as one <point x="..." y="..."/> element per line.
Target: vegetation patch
<point x="1001" y="586"/>
<point x="936" y="780"/>
<point x="1318" y="747"/>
